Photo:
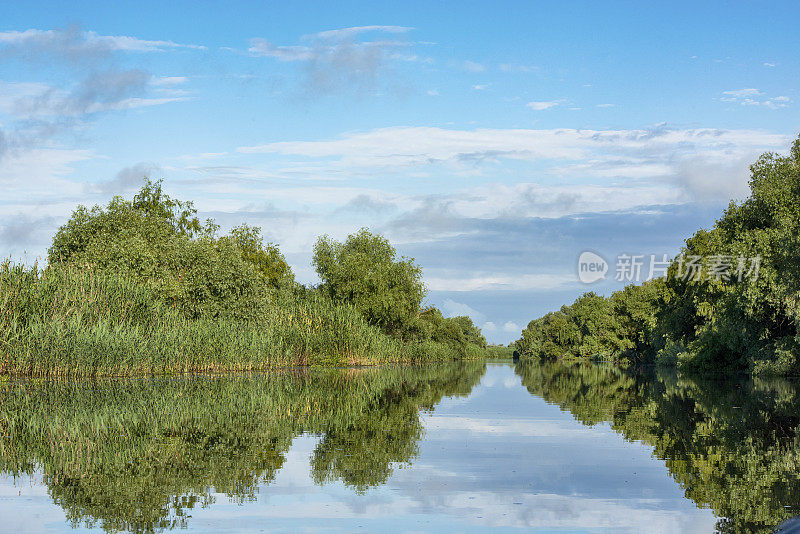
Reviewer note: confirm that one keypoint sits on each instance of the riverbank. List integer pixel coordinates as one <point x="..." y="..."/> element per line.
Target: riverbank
<point x="71" y="320"/>
<point x="729" y="303"/>
<point x="142" y="287"/>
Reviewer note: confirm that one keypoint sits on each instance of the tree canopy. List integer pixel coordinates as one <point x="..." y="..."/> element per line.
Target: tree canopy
<point x="365" y="271"/>
<point x="160" y="241"/>
<point x="743" y="320"/>
<point x="142" y="286"/>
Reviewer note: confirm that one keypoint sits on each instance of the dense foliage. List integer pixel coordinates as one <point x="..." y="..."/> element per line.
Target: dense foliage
<point x="158" y="240"/>
<point x="388" y="291"/>
<point x="457" y="332"/>
<point x="141" y="286"/>
<point x="620" y="327"/>
<point x="744" y="319"/>
<point x="717" y="323"/>
<point x="363" y="270"/>
<point x="501" y="352"/>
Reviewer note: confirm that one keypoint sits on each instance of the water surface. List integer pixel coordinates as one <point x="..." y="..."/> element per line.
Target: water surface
<point x="452" y="448"/>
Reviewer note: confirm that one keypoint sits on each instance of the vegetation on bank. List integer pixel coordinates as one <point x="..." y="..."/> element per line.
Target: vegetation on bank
<point x="143" y="287"/>
<point x="500" y="352"/>
<point x="708" y="324"/>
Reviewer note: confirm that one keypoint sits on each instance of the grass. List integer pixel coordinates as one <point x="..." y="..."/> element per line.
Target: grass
<point x="70" y="320"/>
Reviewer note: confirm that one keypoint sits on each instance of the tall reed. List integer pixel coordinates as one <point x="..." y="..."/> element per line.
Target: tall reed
<point x="74" y="320"/>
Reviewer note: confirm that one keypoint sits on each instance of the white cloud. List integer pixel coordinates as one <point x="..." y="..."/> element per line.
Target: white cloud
<point x="132" y="44"/>
<point x="777" y="102"/>
<point x="98" y="93"/>
<point x="334" y="60"/>
<point x="609" y="167"/>
<point x="472" y="66"/>
<point x="452" y="308"/>
<point x="605" y="105"/>
<point x="768" y="64"/>
<point x="499" y="282"/>
<point x="480" y="87"/>
<point x="412" y="58"/>
<point x="72" y="40"/>
<point x="715" y="175"/>
<point x="132" y="103"/>
<point x="94" y="79"/>
<point x="662" y="157"/>
<point x="511" y="327"/>
<point x="12" y="93"/>
<point x="262" y="47"/>
<point x="346" y="33"/>
<point x="412" y="145"/>
<point x="434" y="218"/>
<point x="202" y="156"/>
<point x="742" y="93"/>
<point x="39" y="175"/>
<point x="754" y="97"/>
<point x="168" y="80"/>
<point x="540" y="106"/>
<point x="433" y="92"/>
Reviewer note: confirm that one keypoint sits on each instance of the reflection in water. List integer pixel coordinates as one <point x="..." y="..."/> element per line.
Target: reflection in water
<point x="321" y="449"/>
<point x="732" y="446"/>
<point x="138" y="455"/>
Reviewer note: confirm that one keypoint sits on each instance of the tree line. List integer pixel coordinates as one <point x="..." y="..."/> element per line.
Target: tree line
<point x="713" y="323"/>
<point x="144" y="286"/>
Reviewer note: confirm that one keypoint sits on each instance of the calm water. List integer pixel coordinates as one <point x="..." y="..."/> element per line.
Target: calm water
<point x="469" y="447"/>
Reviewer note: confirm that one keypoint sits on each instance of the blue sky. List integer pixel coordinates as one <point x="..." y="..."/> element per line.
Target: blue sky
<point x="493" y="142"/>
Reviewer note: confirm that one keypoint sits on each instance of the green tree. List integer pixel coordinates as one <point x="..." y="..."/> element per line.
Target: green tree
<point x="365" y="271"/>
<point x="472" y="334"/>
<point x="723" y="325"/>
<point x="267" y="259"/>
<point x="743" y="320"/>
<point x="159" y="240"/>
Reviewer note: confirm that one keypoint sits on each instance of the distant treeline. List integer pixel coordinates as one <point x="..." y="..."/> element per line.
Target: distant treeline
<point x="709" y="320"/>
<point x="142" y="286"/>
<point x="500" y="351"/>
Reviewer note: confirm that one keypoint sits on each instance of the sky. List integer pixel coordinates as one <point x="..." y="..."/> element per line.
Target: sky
<point x="494" y="142"/>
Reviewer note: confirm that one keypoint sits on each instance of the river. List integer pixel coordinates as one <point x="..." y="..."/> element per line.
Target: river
<point x="469" y="447"/>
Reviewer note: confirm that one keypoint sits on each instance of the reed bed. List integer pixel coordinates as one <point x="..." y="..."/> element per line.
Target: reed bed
<point x="72" y="320"/>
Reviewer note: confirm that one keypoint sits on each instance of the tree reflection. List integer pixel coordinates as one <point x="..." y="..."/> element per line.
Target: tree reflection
<point x="140" y="455"/>
<point x="731" y="445"/>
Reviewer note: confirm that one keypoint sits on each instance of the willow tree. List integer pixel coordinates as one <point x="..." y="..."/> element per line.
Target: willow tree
<point x="366" y="272"/>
